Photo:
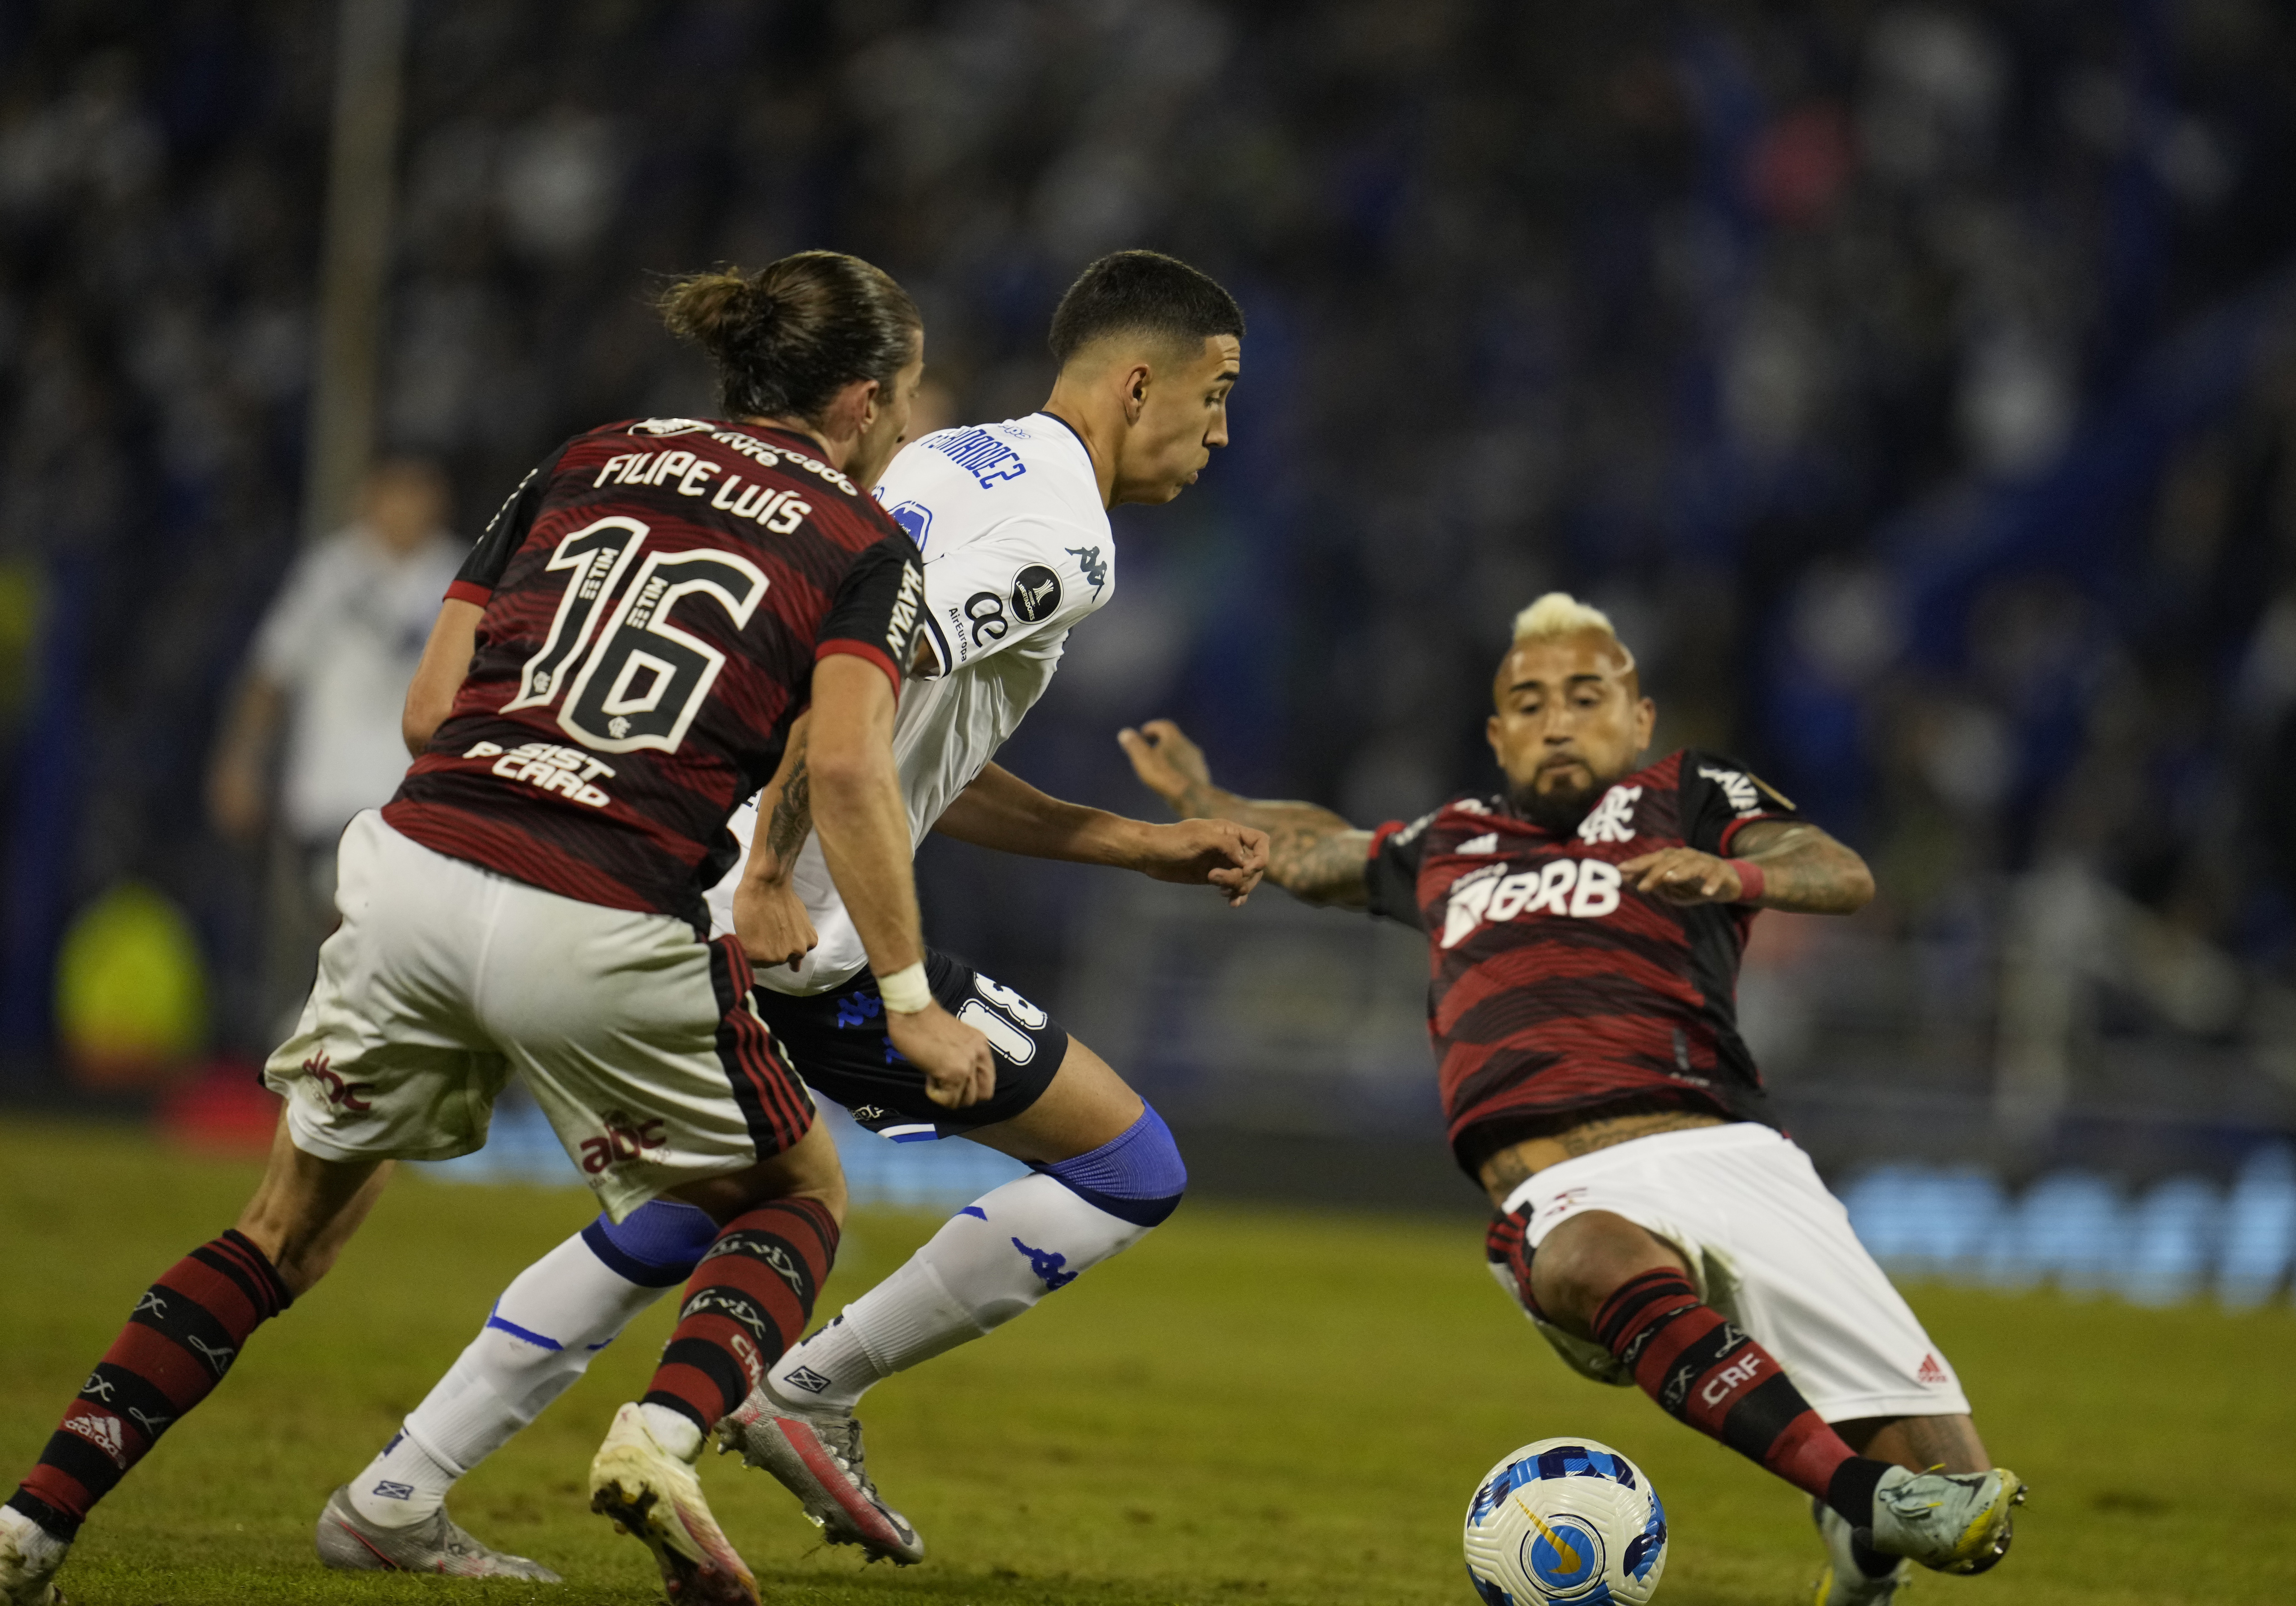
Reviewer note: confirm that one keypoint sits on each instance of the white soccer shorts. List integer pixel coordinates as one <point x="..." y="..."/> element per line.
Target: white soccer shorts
<point x="637" y="1040"/>
<point x="1771" y="1250"/>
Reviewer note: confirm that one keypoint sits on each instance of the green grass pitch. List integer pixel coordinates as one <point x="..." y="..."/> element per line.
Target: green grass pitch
<point x="1254" y="1405"/>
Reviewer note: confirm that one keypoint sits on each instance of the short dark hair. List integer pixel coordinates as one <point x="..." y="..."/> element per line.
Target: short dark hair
<point x="787" y="338"/>
<point x="1142" y="293"/>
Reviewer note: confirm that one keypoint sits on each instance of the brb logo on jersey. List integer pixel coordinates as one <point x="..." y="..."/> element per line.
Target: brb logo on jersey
<point x="1583" y="889"/>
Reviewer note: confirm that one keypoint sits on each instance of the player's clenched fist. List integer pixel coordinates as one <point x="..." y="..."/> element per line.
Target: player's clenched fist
<point x="1231" y="857"/>
<point x="770" y="920"/>
<point x="958" y="1067"/>
<point x="1684" y="875"/>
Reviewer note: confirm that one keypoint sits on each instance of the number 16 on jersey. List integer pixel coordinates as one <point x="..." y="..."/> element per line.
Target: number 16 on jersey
<point x="643" y="679"/>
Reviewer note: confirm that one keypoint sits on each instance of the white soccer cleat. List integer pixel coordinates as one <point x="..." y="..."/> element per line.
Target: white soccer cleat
<point x="817" y="1457"/>
<point x="1955" y="1522"/>
<point x="349" y="1543"/>
<point x="651" y="1494"/>
<point x="1844" y="1583"/>
<point x="30" y="1556"/>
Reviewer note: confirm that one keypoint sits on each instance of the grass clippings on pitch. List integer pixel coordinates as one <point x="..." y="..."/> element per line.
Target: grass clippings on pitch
<point x="1251" y="1406"/>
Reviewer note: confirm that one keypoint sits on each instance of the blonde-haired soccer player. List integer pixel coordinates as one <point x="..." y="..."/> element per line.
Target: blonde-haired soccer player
<point x="1584" y="926"/>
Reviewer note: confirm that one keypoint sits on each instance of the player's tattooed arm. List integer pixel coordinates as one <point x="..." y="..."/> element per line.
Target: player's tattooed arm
<point x="1314" y="854"/>
<point x="768" y="916"/>
<point x="1804" y="871"/>
<point x="792" y="820"/>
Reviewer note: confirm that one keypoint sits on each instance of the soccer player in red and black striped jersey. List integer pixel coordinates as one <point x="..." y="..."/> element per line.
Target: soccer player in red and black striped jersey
<point x="641" y="626"/>
<point x="1585" y="927"/>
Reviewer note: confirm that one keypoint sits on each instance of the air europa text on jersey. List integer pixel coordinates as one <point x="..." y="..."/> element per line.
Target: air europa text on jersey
<point x="779" y="511"/>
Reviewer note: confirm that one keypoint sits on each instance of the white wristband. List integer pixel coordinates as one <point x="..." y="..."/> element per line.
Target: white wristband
<point x="905" y="992"/>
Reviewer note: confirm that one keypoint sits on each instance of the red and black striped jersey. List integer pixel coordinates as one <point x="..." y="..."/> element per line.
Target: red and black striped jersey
<point x="1553" y="986"/>
<point x="656" y="594"/>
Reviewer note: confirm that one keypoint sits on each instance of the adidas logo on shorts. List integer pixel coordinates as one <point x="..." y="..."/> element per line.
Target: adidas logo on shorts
<point x="1930" y="1372"/>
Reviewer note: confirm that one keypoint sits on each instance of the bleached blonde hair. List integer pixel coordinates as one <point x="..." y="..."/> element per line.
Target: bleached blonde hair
<point x="1559" y="613"/>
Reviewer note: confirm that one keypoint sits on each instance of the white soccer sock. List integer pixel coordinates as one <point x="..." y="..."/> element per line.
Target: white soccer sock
<point x="539" y="1338"/>
<point x="673" y="1431"/>
<point x="988" y="1263"/>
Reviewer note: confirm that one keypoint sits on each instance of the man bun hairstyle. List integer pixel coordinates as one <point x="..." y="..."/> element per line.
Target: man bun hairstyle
<point x="788" y="337"/>
<point x="1142" y="292"/>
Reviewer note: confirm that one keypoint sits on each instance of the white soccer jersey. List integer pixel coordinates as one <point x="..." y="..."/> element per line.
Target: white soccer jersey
<point x="1017" y="549"/>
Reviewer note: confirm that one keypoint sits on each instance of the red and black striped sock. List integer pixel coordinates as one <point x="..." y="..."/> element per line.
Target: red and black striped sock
<point x="1704" y="1372"/>
<point x="749" y="1300"/>
<point x="181" y="1339"/>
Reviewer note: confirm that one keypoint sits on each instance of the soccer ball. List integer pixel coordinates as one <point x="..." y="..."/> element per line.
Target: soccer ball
<point x="1565" y="1520"/>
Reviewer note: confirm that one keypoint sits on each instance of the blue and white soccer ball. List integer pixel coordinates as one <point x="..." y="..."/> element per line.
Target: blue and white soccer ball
<point x="1565" y="1520"/>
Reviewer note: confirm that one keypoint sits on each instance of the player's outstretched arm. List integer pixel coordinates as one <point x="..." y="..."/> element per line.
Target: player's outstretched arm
<point x="864" y="823"/>
<point x="446" y="660"/>
<point x="1801" y="869"/>
<point x="768" y="916"/>
<point x="1001" y="810"/>
<point x="1312" y="853"/>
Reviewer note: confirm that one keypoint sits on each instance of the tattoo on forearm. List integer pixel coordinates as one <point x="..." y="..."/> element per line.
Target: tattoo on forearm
<point x="792" y="816"/>
<point x="1312" y="852"/>
<point x="1804" y="870"/>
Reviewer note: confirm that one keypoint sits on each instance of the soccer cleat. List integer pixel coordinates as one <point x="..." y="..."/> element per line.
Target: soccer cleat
<point x="30" y="1556"/>
<point x="1955" y="1522"/>
<point x="349" y="1543"/>
<point x="652" y="1494"/>
<point x="1844" y="1583"/>
<point x="817" y="1458"/>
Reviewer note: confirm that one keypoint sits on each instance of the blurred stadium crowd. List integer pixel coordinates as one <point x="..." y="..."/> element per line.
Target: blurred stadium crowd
<point x="1915" y="383"/>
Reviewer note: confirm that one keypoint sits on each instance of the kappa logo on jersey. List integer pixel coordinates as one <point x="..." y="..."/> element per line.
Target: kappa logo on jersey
<point x="1094" y="567"/>
<point x="1613" y="818"/>
<point x="988" y="460"/>
<point x="100" y="1430"/>
<point x="1036" y="593"/>
<point x="1583" y="889"/>
<point x="563" y="772"/>
<point x="627" y="1138"/>
<point x="914" y="517"/>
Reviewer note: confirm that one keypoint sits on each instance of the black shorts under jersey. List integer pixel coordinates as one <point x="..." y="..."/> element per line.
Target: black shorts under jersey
<point x="838" y="1044"/>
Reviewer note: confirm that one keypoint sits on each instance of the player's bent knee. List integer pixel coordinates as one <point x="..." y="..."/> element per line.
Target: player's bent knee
<point x="657" y="1246"/>
<point x="1583" y="1262"/>
<point x="807" y="1170"/>
<point x="1136" y="1176"/>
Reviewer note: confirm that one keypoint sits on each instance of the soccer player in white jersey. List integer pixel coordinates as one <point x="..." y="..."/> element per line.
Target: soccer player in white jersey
<point x="1012" y="519"/>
